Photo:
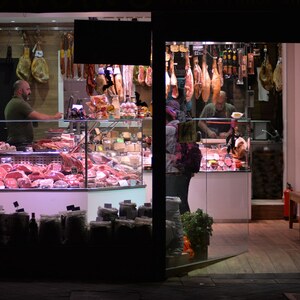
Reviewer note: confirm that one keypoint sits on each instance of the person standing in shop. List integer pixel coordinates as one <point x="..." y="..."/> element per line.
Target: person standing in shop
<point x="20" y="134"/>
<point x="220" y="109"/>
<point x="177" y="178"/>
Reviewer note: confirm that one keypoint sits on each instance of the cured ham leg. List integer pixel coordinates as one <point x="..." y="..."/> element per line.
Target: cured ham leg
<point x="220" y="69"/>
<point x="206" y="81"/>
<point x="277" y="75"/>
<point x="168" y="81"/>
<point x="215" y="81"/>
<point x="266" y="73"/>
<point x="62" y="55"/>
<point x="128" y="80"/>
<point x="39" y="66"/>
<point x="197" y="72"/>
<point x="23" y="70"/>
<point x="148" y="78"/>
<point x="100" y="80"/>
<point x="141" y="75"/>
<point x="69" y="57"/>
<point x="189" y="79"/>
<point x="173" y="80"/>
<point x="119" y="82"/>
<point x="111" y="90"/>
<point x="90" y="80"/>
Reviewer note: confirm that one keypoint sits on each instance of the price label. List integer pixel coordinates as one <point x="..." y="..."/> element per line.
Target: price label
<point x="123" y="182"/>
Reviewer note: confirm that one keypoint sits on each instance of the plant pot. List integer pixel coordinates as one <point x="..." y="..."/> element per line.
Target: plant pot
<point x="201" y="251"/>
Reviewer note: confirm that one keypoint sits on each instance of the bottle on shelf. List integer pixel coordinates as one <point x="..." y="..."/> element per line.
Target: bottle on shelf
<point x="33" y="230"/>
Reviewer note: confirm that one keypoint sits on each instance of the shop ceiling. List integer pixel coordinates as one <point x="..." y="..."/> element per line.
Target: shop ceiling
<point x="13" y="21"/>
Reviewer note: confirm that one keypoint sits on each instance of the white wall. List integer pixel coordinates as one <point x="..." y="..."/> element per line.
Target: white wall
<point x="291" y="110"/>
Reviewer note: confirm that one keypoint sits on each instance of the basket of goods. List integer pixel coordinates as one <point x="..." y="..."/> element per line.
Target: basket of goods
<point x="98" y="107"/>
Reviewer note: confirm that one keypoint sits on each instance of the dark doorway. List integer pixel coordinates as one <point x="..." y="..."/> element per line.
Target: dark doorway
<point x="7" y="78"/>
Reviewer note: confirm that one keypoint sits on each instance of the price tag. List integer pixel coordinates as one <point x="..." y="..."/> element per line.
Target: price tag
<point x="123" y="182"/>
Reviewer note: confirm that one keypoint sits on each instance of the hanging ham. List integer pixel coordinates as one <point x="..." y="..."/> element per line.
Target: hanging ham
<point x="266" y="73"/>
<point x="197" y="72"/>
<point x="277" y="75"/>
<point x="62" y="55"/>
<point x="206" y="81"/>
<point x="90" y="79"/>
<point x="148" y="78"/>
<point x="100" y="80"/>
<point x="173" y="80"/>
<point x="118" y="82"/>
<point x="189" y="79"/>
<point x="111" y="90"/>
<point x="128" y="80"/>
<point x="215" y="81"/>
<point x="141" y="75"/>
<point x="168" y="81"/>
<point x="39" y="66"/>
<point x="23" y="69"/>
<point x="220" y="69"/>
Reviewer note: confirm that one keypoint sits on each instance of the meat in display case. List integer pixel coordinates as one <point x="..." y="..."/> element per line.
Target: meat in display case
<point x="85" y="155"/>
<point x="230" y="153"/>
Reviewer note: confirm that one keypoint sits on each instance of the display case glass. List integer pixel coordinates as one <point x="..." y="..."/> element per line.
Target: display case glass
<point x="87" y="154"/>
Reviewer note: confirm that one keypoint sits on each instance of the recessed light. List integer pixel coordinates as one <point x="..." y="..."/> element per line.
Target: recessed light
<point x="53" y="21"/>
<point x="12" y="21"/>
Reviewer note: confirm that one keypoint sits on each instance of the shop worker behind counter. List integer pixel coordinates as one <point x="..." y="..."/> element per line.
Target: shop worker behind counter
<point x="220" y="109"/>
<point x="20" y="134"/>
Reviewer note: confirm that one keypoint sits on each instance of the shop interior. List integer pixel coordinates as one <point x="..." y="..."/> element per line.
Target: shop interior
<point x="68" y="86"/>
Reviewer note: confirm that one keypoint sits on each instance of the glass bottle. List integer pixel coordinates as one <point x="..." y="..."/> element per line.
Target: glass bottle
<point x="33" y="230"/>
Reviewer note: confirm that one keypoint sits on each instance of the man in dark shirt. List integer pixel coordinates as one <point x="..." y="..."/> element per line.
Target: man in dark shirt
<point x="220" y="109"/>
<point x="20" y="134"/>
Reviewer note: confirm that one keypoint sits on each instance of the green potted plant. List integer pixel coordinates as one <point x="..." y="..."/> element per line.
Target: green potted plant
<point x="197" y="226"/>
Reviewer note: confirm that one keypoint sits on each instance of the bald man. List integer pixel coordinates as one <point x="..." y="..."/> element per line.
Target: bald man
<point x="20" y="134"/>
<point x="220" y="109"/>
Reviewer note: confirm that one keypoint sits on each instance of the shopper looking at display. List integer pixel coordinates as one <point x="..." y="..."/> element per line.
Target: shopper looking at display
<point x="20" y="134"/>
<point x="220" y="109"/>
<point x="179" y="159"/>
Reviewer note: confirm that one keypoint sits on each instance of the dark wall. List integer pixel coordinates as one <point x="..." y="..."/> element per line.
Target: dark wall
<point x="7" y="78"/>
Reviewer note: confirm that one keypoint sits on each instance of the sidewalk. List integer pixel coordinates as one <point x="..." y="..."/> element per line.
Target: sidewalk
<point x="222" y="286"/>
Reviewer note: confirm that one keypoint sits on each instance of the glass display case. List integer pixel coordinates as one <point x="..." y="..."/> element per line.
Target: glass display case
<point x="87" y="154"/>
<point x="86" y="164"/>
